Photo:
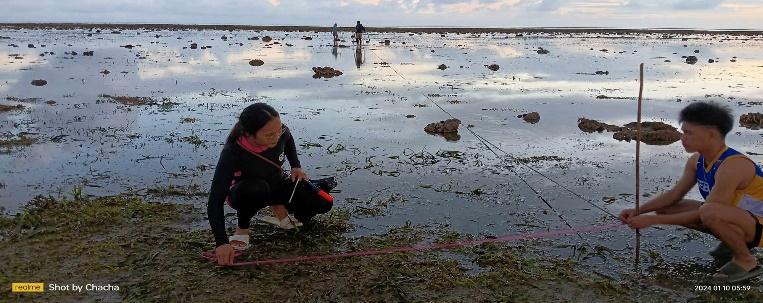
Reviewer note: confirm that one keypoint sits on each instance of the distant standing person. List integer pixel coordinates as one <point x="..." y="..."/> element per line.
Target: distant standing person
<point x="359" y="30"/>
<point x="335" y="33"/>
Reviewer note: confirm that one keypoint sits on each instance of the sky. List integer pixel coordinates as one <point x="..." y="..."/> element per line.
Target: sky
<point x="701" y="14"/>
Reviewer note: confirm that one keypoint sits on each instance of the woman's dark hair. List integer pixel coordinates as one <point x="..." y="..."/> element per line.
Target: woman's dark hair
<point x="251" y="120"/>
<point x="708" y="114"/>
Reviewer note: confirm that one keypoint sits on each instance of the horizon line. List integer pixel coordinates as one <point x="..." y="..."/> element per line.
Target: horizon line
<point x="401" y="27"/>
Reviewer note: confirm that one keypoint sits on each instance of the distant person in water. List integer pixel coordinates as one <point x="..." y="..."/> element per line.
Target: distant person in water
<point x="249" y="182"/>
<point x="359" y="30"/>
<point x="335" y="34"/>
<point x="731" y="185"/>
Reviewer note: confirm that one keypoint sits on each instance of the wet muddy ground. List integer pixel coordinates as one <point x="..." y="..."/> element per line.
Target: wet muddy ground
<point x="145" y="112"/>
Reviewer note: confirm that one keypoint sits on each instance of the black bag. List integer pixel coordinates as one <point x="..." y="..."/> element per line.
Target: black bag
<point x="311" y="198"/>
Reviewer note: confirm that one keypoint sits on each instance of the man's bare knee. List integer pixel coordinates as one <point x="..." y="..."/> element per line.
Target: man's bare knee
<point x="708" y="214"/>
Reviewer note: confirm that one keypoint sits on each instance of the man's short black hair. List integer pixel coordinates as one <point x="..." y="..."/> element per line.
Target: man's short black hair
<point x="708" y="114"/>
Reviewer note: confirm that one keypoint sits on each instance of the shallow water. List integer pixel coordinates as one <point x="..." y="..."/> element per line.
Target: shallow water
<point x="388" y="168"/>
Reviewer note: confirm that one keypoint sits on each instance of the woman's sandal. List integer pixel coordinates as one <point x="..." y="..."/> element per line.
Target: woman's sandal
<point x="287" y="222"/>
<point x="241" y="239"/>
<point x="294" y="221"/>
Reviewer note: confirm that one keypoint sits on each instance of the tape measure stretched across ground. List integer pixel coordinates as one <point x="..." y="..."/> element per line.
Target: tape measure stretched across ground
<point x="420" y="248"/>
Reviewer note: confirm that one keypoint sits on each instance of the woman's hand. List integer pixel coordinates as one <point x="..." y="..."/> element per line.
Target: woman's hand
<point x="225" y="254"/>
<point x="298" y="174"/>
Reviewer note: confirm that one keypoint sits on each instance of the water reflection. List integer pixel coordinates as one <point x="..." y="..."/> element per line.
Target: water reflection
<point x="376" y="116"/>
<point x="359" y="56"/>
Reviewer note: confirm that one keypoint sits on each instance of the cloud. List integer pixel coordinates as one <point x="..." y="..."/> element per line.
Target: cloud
<point x="488" y="13"/>
<point x="696" y="4"/>
<point x="368" y="2"/>
<point x="472" y="6"/>
<point x="550" y="5"/>
<point x="673" y="4"/>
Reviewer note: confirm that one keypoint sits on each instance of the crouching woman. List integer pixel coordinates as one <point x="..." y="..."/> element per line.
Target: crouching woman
<point x="248" y="176"/>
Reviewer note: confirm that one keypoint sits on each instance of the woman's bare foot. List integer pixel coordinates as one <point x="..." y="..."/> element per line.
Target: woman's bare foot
<point x="279" y="211"/>
<point x="240" y="231"/>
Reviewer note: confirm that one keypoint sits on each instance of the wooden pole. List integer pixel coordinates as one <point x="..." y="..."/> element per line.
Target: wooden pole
<point x="638" y="158"/>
